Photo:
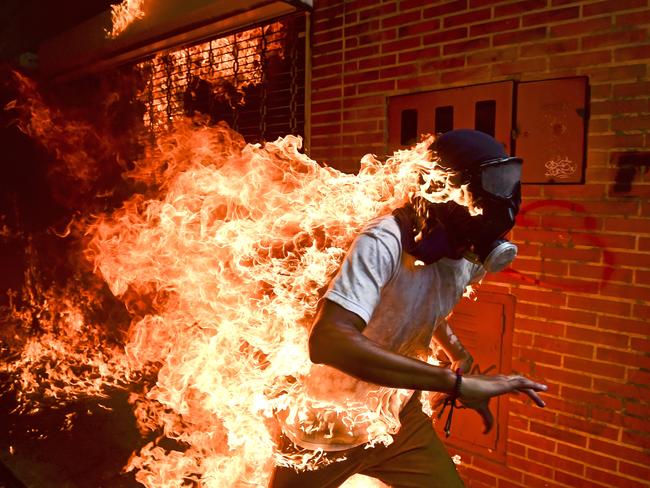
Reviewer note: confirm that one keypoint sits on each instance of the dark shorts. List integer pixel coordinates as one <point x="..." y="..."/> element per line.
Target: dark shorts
<point x="416" y="459"/>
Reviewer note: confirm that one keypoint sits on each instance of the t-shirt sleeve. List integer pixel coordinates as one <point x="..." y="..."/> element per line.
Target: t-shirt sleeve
<point x="370" y="264"/>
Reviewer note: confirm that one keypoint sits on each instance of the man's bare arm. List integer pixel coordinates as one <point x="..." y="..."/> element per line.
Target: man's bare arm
<point x="336" y="340"/>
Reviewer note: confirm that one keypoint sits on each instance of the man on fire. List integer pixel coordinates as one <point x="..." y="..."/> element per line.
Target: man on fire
<point x="399" y="281"/>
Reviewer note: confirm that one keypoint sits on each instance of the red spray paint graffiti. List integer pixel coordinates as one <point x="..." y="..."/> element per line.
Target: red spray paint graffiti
<point x="590" y="223"/>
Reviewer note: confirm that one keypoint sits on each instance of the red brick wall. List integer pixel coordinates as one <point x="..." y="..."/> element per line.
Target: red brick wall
<point x="583" y="292"/>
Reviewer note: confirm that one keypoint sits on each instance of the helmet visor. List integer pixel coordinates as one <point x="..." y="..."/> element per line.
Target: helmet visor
<point x="501" y="177"/>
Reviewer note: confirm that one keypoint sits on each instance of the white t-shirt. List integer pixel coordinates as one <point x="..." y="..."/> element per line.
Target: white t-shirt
<point x="401" y="303"/>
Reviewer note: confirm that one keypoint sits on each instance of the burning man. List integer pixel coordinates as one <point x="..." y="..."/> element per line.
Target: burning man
<point x="399" y="281"/>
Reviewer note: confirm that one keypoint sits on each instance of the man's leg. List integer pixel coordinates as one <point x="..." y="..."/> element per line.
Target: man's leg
<point x="329" y="476"/>
<point x="416" y="459"/>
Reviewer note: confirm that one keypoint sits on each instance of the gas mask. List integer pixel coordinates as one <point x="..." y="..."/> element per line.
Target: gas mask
<point x="496" y="189"/>
<point x="447" y="229"/>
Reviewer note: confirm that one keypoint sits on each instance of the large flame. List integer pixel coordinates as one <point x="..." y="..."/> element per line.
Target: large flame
<point x="220" y="260"/>
<point x="124" y="14"/>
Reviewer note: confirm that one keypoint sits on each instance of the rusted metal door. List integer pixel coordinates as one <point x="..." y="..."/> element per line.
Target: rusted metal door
<point x="486" y="107"/>
<point x="485" y="328"/>
<point x="551" y="129"/>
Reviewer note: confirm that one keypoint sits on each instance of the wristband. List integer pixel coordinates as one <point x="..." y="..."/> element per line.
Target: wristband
<point x="451" y="401"/>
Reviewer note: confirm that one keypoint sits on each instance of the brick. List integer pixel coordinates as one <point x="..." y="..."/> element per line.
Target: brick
<point x="631" y="225"/>
<point x="571" y="254"/>
<point x="568" y="480"/>
<point x="597" y="336"/>
<point x="635" y="259"/>
<point x="547" y="298"/>
<point x="401" y="19"/>
<point x="633" y="359"/>
<point x="550" y="16"/>
<point x="520" y="36"/>
<point x="637" y="439"/>
<point x="612" y="479"/>
<point x="609" y="6"/>
<point x="618" y="106"/>
<point x="609" y="39"/>
<point x="376" y="87"/>
<point x="555" y="461"/>
<point x="585" y="26"/>
<point x="588" y="426"/>
<point x="445" y="36"/>
<point x="464" y="46"/>
<point x="398" y="71"/>
<point x="523" y="66"/>
<point x="629" y="326"/>
<point x="593" y="58"/>
<point x="543" y="357"/>
<point x="604" y="241"/>
<point x="358" y="77"/>
<point x="377" y="37"/>
<point x="634" y="18"/>
<point x="638" y="409"/>
<point x="583" y="222"/>
<point x="360" y="126"/>
<point x="518" y="422"/>
<point x="530" y="467"/>
<point x="400" y="45"/>
<point x="594" y="367"/>
<point x="570" y="316"/>
<point x="618" y="450"/>
<point x="557" y="375"/>
<point x="442" y="64"/>
<point x="419" y="28"/>
<point x="480" y="476"/>
<point x="362" y="52"/>
<point x="465" y="18"/>
<point x="634" y="470"/>
<point x="445" y="8"/>
<point x="631" y="53"/>
<point x="550" y="47"/>
<point x="558" y="434"/>
<point x="564" y="347"/>
<point x="602" y="397"/>
<point x="622" y="390"/>
<point x="640" y="122"/>
<point x="601" y="273"/>
<point x="378" y="61"/>
<point x="513" y="8"/>
<point x="494" y="26"/>
<point x="529" y="439"/>
<point x="610" y="307"/>
<point x="492" y="56"/>
<point x="467" y="75"/>
<point x="641" y="277"/>
<point x="587" y="456"/>
<point x="626" y="291"/>
<point x="640" y="88"/>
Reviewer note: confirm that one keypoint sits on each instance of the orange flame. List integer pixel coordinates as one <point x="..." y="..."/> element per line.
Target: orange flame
<point x="220" y="261"/>
<point x="235" y="248"/>
<point x="125" y="14"/>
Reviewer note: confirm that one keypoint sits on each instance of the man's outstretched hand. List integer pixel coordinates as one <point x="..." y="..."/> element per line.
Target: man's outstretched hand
<point x="476" y="391"/>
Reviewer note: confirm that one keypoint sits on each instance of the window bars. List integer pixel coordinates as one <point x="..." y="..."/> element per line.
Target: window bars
<point x="253" y="80"/>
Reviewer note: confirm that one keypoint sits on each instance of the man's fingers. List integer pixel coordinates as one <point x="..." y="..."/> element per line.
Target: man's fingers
<point x="525" y="383"/>
<point x="534" y="397"/>
<point x="488" y="419"/>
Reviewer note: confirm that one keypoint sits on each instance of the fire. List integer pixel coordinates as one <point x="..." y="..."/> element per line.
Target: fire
<point x="125" y="14"/>
<point x="219" y="259"/>
<point x="227" y="65"/>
